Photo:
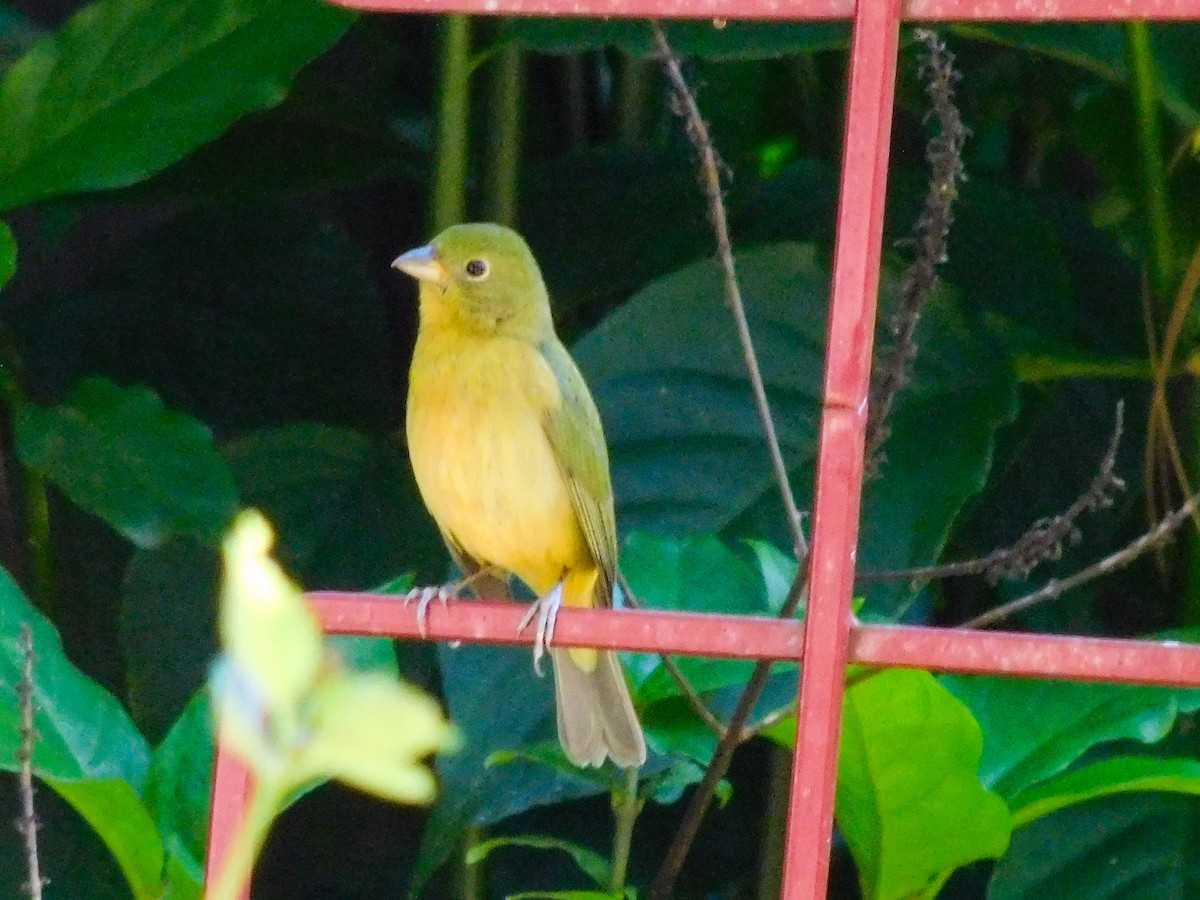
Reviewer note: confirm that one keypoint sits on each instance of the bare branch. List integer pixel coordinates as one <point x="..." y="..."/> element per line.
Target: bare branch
<point x="27" y="824"/>
<point x="1042" y="542"/>
<point x="1111" y="563"/>
<point x="684" y="104"/>
<point x="944" y="155"/>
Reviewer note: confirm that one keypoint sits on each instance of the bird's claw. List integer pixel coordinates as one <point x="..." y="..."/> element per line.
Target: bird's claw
<point x="424" y="596"/>
<point x="545" y="611"/>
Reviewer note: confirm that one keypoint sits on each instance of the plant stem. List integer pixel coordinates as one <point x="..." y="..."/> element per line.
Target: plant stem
<point x="449" y="204"/>
<point x="504" y="136"/>
<point x="470" y="886"/>
<point x="1149" y="136"/>
<point x="626" y="806"/>
<point x="234" y="880"/>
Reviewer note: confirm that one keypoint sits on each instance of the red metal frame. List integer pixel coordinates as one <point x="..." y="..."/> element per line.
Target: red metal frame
<point x="829" y="637"/>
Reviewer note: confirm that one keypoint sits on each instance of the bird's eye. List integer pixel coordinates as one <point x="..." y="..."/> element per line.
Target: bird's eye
<point x="477" y="269"/>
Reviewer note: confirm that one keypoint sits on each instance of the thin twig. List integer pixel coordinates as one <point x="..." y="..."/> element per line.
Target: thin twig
<point x="1121" y="558"/>
<point x="27" y="824"/>
<point x="684" y="105"/>
<point x="663" y="887"/>
<point x="1042" y="542"/>
<point x="690" y="694"/>
<point x="944" y="155"/>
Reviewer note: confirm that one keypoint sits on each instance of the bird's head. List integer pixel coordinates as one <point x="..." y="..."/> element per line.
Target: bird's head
<point x="482" y="276"/>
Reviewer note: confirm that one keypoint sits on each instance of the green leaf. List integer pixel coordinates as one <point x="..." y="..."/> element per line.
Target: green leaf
<point x="8" y="254"/>
<point x="909" y="801"/>
<point x="715" y="40"/>
<point x="686" y="446"/>
<point x="1128" y="847"/>
<point x="1035" y="729"/>
<point x="591" y="863"/>
<point x="179" y="784"/>
<point x="118" y="816"/>
<point x="87" y="749"/>
<point x="699" y="574"/>
<point x="188" y="70"/>
<point x="1118" y="775"/>
<point x="117" y="452"/>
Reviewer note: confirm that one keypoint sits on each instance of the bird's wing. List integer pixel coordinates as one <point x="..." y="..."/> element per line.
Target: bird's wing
<point x="576" y="436"/>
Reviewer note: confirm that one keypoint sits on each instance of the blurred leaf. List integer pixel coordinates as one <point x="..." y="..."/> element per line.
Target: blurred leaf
<point x="686" y="447"/>
<point x="8" y="254"/>
<point x="1130" y="847"/>
<point x="909" y="801"/>
<point x="591" y="863"/>
<point x="716" y="40"/>
<point x="178" y="788"/>
<point x="1035" y="729"/>
<point x="149" y="471"/>
<point x="1118" y="775"/>
<point x="239" y="316"/>
<point x="87" y="750"/>
<point x="189" y="69"/>
<point x="778" y="571"/>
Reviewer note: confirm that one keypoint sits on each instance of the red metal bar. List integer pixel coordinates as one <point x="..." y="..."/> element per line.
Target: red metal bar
<point x="230" y="790"/>
<point x="757" y="637"/>
<point x="794" y="10"/>
<point x="855" y="284"/>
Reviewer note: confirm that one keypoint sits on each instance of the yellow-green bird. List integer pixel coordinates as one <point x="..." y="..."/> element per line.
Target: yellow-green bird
<point x="510" y="459"/>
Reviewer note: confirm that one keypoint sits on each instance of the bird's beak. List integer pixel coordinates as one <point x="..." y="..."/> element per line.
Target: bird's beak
<point x="422" y="264"/>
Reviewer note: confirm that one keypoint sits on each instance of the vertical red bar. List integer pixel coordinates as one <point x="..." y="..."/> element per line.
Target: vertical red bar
<point x="230" y="790"/>
<point x="840" y="452"/>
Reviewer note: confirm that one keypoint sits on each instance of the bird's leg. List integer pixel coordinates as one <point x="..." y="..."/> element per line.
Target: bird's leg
<point x="545" y="610"/>
<point x="442" y="592"/>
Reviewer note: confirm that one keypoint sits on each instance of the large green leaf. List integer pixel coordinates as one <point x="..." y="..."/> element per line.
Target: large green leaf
<point x="909" y="800"/>
<point x="1035" y="729"/>
<point x="148" y="471"/>
<point x="1131" y="847"/>
<point x="87" y="749"/>
<point x="1118" y="775"/>
<point x="178" y="787"/>
<point x="8" y="254"/>
<point x="687" y="449"/>
<point x="714" y="40"/>
<point x="173" y="74"/>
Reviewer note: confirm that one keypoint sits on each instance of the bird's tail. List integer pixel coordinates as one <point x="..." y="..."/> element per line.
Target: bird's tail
<point x="595" y="713"/>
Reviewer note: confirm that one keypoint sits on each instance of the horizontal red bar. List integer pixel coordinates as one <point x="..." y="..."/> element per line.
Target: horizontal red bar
<point x="782" y="10"/>
<point x="753" y="637"/>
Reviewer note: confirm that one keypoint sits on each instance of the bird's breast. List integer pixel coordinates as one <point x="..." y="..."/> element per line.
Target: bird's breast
<point x="483" y="463"/>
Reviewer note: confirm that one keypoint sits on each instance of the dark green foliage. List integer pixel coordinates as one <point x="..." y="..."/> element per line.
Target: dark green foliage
<point x="206" y="195"/>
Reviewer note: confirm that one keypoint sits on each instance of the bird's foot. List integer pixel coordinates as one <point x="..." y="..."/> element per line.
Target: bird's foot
<point x="426" y="595"/>
<point x="545" y="611"/>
